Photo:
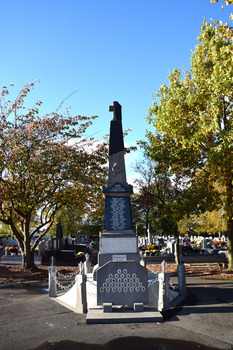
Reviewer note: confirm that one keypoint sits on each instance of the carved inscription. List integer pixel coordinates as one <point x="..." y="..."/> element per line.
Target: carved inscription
<point x="118" y="213"/>
<point x="118" y="257"/>
<point x="117" y="188"/>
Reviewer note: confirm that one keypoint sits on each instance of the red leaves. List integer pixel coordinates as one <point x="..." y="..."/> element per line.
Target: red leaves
<point x="46" y="162"/>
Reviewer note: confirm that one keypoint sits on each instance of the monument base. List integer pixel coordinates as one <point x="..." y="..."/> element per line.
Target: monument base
<point x="122" y="283"/>
<point x="97" y="316"/>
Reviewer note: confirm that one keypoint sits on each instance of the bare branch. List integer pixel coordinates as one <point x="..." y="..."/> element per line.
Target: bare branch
<point x="72" y="93"/>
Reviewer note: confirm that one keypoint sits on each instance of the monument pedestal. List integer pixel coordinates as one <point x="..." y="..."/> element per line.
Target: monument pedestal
<point x="118" y="242"/>
<point x="118" y="247"/>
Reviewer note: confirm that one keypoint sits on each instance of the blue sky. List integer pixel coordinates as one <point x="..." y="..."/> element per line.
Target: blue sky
<point x="107" y="50"/>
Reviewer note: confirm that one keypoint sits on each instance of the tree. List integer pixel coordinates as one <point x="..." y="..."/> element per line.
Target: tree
<point x="142" y="202"/>
<point x="5" y="230"/>
<point x="45" y="163"/>
<point x="159" y="201"/>
<point x="227" y="2"/>
<point x="73" y="221"/>
<point x="225" y="30"/>
<point x="193" y="125"/>
<point x="206" y="222"/>
<point x="70" y="221"/>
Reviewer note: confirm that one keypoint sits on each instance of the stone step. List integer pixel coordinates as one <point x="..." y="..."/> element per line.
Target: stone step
<point x="97" y="316"/>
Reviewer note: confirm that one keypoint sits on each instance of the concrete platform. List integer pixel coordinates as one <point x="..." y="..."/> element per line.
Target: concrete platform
<point x="97" y="316"/>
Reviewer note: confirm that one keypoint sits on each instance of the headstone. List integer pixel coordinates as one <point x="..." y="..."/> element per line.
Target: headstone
<point x="42" y="246"/>
<point x="171" y="246"/>
<point x="59" y="235"/>
<point x="149" y="234"/>
<point x="204" y="243"/>
<point x="50" y="243"/>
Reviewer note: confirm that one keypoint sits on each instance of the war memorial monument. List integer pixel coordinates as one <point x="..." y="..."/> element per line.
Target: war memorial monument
<point x="119" y="289"/>
<point x="121" y="280"/>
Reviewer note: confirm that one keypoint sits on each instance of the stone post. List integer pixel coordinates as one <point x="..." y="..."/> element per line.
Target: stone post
<point x="87" y="267"/>
<point x="52" y="282"/>
<point x="163" y="298"/>
<point x="181" y="279"/>
<point x="81" y="300"/>
<point x="142" y="261"/>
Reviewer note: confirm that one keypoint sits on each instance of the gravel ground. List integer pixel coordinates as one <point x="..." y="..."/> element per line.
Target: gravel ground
<point x="15" y="273"/>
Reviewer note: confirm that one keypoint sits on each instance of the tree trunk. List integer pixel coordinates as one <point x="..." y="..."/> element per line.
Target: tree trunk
<point x="229" y="212"/>
<point x="177" y="250"/>
<point x="230" y="243"/>
<point x="28" y="256"/>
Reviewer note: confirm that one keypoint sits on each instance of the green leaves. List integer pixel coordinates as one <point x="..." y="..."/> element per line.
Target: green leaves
<point x="193" y="124"/>
<point x="192" y="118"/>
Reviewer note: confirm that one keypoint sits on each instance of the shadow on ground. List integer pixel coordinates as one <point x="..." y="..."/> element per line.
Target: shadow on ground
<point x="127" y="343"/>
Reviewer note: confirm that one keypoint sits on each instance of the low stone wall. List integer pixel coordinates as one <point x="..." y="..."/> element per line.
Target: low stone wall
<point x="17" y="260"/>
<point x="187" y="259"/>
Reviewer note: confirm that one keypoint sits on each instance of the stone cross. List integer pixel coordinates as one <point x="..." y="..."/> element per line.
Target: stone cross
<point x="116" y="143"/>
<point x="116" y="109"/>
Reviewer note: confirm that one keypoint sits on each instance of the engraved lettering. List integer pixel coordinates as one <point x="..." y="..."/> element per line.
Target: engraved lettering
<point x="118" y="221"/>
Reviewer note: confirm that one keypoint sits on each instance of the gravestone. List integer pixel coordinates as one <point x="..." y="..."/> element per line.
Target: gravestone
<point x="121" y="280"/>
<point x="149" y="235"/>
<point x="59" y="235"/>
<point x="42" y="247"/>
<point x="204" y="243"/>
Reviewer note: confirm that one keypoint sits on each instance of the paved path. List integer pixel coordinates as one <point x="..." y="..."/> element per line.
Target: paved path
<point x="28" y="319"/>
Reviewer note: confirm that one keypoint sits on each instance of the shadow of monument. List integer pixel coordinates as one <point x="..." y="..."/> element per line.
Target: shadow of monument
<point x="203" y="300"/>
<point x="128" y="343"/>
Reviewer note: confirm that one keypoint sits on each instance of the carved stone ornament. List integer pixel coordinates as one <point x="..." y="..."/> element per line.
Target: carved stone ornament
<point x="116" y="169"/>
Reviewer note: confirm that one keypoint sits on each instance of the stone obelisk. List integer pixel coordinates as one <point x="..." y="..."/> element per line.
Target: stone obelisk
<point x="121" y="280"/>
<point x="118" y="241"/>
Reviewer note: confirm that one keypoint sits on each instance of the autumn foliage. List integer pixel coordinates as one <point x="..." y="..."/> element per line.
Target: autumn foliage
<point x="193" y="126"/>
<point x="45" y="163"/>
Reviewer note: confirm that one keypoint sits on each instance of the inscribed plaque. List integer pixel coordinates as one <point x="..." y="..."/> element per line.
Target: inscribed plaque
<point x="117" y="214"/>
<point x="118" y="245"/>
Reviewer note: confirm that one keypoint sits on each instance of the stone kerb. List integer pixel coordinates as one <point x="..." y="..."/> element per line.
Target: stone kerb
<point x="122" y="283"/>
